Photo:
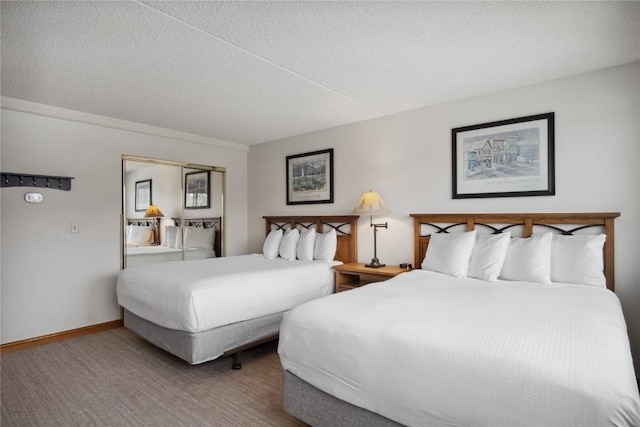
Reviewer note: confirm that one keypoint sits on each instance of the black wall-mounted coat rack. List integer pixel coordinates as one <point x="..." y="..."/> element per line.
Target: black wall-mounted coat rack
<point x="10" y="179"/>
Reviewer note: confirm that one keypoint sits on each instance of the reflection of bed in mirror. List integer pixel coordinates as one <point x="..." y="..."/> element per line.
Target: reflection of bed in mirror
<point x="202" y="309"/>
<point x="149" y="241"/>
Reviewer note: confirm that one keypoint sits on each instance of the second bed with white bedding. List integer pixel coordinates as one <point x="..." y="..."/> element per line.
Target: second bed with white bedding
<point x="200" y="295"/>
<point x="518" y="354"/>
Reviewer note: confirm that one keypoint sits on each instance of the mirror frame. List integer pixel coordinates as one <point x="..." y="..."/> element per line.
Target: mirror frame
<point x="183" y="165"/>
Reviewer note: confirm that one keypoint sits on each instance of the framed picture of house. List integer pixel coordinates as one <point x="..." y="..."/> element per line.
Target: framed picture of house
<point x="143" y="195"/>
<point x="196" y="190"/>
<point x="508" y="158"/>
<point x="310" y="177"/>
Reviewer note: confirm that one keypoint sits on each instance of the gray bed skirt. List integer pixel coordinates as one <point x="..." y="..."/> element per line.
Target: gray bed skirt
<point x="207" y="345"/>
<point x="319" y="409"/>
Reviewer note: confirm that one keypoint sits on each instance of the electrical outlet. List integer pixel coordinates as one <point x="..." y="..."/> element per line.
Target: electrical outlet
<point x="75" y="227"/>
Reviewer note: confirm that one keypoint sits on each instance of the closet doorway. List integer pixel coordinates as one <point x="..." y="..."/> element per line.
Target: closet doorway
<point x="171" y="211"/>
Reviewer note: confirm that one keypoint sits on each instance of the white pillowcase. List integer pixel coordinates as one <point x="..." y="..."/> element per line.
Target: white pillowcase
<point x="271" y="244"/>
<point x="139" y="234"/>
<point x="449" y="253"/>
<point x="289" y="244"/>
<point x="325" y="246"/>
<point x="489" y="253"/>
<point x="199" y="238"/>
<point x="306" y="244"/>
<point x="578" y="259"/>
<point x="528" y="259"/>
<point x="170" y="234"/>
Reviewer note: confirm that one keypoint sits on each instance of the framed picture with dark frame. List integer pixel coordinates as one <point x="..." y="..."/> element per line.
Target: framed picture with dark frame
<point x="310" y="177"/>
<point x="143" y="195"/>
<point x="196" y="190"/>
<point x="508" y="158"/>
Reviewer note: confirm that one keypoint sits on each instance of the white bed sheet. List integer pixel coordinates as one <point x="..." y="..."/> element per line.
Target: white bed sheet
<point x="199" y="295"/>
<point x="151" y="254"/>
<point x="425" y="349"/>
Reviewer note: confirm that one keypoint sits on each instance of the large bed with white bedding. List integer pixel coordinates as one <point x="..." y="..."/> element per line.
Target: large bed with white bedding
<point x="427" y="348"/>
<point x="200" y="310"/>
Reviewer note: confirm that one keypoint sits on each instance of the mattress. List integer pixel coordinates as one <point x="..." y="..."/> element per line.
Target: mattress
<point x="151" y="254"/>
<point x="425" y="349"/>
<point x="199" y="295"/>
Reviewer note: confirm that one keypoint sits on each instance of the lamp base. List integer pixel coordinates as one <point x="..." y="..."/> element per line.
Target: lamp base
<point x="375" y="263"/>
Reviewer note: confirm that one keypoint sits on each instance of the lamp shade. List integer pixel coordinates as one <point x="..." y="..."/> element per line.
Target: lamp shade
<point x="371" y="204"/>
<point x="153" y="212"/>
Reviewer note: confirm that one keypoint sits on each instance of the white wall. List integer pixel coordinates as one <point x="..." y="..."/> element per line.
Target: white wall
<point x="407" y="159"/>
<point x="52" y="280"/>
<point x="166" y="193"/>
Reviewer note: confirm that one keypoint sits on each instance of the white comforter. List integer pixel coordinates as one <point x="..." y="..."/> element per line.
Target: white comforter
<point x="425" y="349"/>
<point x="199" y="295"/>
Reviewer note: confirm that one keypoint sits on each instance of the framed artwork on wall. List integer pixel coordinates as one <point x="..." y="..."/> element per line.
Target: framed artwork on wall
<point x="196" y="190"/>
<point x="508" y="158"/>
<point x="143" y="195"/>
<point x="310" y="177"/>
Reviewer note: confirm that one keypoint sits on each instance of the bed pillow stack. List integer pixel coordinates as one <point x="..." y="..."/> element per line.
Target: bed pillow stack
<point x="139" y="235"/>
<point x="488" y="255"/>
<point x="271" y="246"/>
<point x="528" y="259"/>
<point x="542" y="258"/>
<point x="170" y="236"/>
<point x="194" y="237"/>
<point x="305" y="245"/>
<point x="450" y="253"/>
<point x="289" y="244"/>
<point x="199" y="238"/>
<point x="578" y="259"/>
<point x="325" y="246"/>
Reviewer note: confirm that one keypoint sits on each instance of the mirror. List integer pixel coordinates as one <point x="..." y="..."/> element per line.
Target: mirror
<point x="172" y="211"/>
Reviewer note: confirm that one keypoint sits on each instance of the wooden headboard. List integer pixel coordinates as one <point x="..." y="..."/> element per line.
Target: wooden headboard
<point x="346" y="227"/>
<point x="212" y="222"/>
<point x="562" y="223"/>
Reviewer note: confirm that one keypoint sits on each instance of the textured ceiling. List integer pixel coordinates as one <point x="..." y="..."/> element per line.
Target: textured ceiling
<point x="252" y="72"/>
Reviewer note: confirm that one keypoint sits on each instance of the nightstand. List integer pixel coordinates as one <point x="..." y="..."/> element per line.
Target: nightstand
<point x="355" y="274"/>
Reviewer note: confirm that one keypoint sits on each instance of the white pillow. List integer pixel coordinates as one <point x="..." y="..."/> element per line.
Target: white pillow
<point x="140" y="234"/>
<point x="272" y="244"/>
<point x="178" y="243"/>
<point x="199" y="238"/>
<point x="578" y="259"/>
<point x="306" y="244"/>
<point x="170" y="233"/>
<point x="487" y="258"/>
<point x="449" y="253"/>
<point x="325" y="246"/>
<point x="528" y="259"/>
<point x="289" y="244"/>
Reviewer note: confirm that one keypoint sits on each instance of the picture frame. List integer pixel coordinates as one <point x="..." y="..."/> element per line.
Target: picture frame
<point x="507" y="158"/>
<point x="197" y="190"/>
<point x="143" y="195"/>
<point x="310" y="177"/>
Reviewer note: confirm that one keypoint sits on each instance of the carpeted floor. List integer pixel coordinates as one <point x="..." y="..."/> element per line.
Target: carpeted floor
<point x="115" y="378"/>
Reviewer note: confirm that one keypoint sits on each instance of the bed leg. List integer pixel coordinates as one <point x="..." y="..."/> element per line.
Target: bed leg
<point x="236" y="361"/>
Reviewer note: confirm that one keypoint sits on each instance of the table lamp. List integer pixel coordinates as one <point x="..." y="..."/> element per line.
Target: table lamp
<point x="372" y="204"/>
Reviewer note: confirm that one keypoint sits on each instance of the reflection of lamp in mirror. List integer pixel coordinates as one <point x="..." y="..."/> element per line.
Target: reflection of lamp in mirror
<point x="372" y="204"/>
<point x="153" y="212"/>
